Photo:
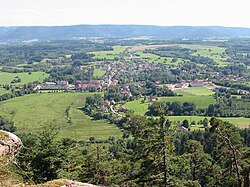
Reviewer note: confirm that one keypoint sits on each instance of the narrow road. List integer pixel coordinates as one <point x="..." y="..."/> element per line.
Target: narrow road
<point x="112" y="109"/>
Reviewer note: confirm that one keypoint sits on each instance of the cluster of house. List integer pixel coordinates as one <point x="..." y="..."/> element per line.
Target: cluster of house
<point x="233" y="78"/>
<point x="200" y="83"/>
<point x="59" y="85"/>
<point x="64" y="85"/>
<point x="88" y="84"/>
<point x="107" y="106"/>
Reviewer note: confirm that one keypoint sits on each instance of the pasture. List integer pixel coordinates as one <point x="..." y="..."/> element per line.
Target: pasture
<point x="3" y="91"/>
<point x="6" y="78"/>
<point x="240" y="122"/>
<point x="137" y="106"/>
<point x="202" y="97"/>
<point x="110" y="55"/>
<point x="201" y="101"/>
<point x="31" y="112"/>
<point x="215" y="53"/>
<point x="140" y="108"/>
<point x="99" y="72"/>
<point x="153" y="58"/>
<point x="198" y="91"/>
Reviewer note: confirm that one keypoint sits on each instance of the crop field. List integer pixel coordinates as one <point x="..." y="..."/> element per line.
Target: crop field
<point x="215" y="49"/>
<point x="99" y="73"/>
<point x="6" y="78"/>
<point x="143" y="47"/>
<point x="31" y="112"/>
<point x="190" y="46"/>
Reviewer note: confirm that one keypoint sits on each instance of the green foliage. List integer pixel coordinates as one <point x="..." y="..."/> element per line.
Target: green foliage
<point x="174" y="108"/>
<point x="45" y="156"/>
<point x="228" y="105"/>
<point x="227" y="145"/>
<point x="6" y="124"/>
<point x="150" y="154"/>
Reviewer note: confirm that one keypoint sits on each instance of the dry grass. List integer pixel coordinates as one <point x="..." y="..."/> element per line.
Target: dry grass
<point x="143" y="47"/>
<point x="6" y="176"/>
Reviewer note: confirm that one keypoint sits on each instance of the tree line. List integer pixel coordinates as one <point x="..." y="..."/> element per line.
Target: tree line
<point x="150" y="153"/>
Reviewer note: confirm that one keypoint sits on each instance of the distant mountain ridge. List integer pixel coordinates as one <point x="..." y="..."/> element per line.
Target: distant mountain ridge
<point x="119" y="31"/>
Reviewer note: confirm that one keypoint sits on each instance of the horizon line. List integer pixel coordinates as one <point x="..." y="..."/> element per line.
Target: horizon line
<point x="66" y="25"/>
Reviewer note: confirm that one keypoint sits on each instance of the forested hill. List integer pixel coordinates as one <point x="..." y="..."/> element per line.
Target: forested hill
<point x="119" y="31"/>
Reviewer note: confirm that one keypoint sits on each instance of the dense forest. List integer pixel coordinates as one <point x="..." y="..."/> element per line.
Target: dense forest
<point x="151" y="153"/>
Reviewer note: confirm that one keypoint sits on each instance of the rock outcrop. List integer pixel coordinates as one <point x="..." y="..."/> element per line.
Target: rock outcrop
<point x="9" y="143"/>
<point x="60" y="183"/>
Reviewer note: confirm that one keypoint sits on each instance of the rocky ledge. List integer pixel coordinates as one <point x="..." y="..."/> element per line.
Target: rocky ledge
<point x="60" y="183"/>
<point x="9" y="143"/>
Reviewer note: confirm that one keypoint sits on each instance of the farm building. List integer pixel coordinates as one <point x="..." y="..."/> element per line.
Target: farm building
<point x="88" y="84"/>
<point x="52" y="86"/>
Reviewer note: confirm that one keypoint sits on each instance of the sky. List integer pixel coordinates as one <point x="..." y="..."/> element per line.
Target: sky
<point x="233" y="13"/>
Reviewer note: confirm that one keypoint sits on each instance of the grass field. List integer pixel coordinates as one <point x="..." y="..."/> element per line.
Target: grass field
<point x="206" y="51"/>
<point x="3" y="91"/>
<point x="6" y="78"/>
<point x="110" y="55"/>
<point x="31" y="112"/>
<point x="215" y="53"/>
<point x="152" y="58"/>
<point x="141" y="108"/>
<point x="240" y="122"/>
<point x="198" y="91"/>
<point x="137" y="106"/>
<point x="201" y="101"/>
<point x="99" y="73"/>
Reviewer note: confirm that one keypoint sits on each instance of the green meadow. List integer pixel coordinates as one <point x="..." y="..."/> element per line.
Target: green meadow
<point x="99" y="73"/>
<point x="152" y="58"/>
<point x="198" y="91"/>
<point x="201" y="101"/>
<point x="137" y="106"/>
<point x="215" y="53"/>
<point x="201" y="96"/>
<point x="31" y="112"/>
<point x="140" y="108"/>
<point x="3" y="91"/>
<point x="240" y="122"/>
<point x="110" y="55"/>
<point x="6" y="78"/>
